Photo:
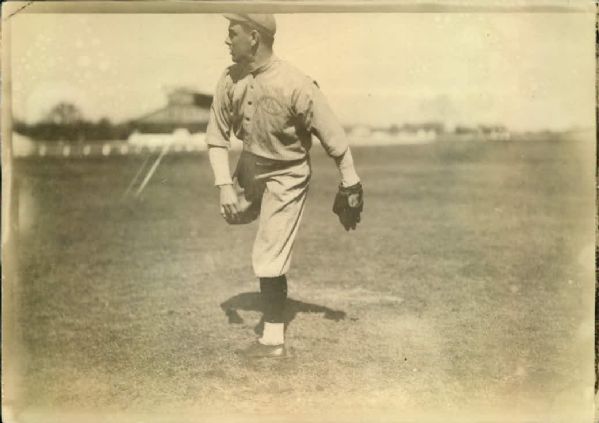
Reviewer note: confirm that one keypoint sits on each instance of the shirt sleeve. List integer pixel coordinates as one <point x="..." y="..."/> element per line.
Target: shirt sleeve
<point x="219" y="120"/>
<point x="347" y="171"/>
<point x="315" y="114"/>
<point x="219" y="161"/>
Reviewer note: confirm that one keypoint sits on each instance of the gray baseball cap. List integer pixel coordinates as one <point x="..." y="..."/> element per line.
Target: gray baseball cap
<point x="262" y="22"/>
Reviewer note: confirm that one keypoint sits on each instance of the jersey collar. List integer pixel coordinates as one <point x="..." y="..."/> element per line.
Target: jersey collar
<point x="253" y="69"/>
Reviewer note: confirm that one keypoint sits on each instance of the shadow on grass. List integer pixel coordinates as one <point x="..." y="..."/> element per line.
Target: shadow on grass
<point x="252" y="301"/>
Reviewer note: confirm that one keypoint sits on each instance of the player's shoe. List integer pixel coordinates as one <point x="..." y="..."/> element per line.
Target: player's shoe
<point x="258" y="350"/>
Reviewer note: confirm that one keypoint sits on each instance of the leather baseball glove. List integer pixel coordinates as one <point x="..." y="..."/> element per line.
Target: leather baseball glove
<point x="348" y="205"/>
<point x="249" y="191"/>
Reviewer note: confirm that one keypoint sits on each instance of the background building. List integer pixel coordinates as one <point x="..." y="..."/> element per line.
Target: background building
<point x="186" y="109"/>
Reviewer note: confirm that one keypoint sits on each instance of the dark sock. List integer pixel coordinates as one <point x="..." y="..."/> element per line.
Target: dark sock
<point x="274" y="296"/>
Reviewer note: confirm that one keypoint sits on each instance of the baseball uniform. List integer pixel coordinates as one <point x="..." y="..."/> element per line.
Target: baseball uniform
<point x="274" y="109"/>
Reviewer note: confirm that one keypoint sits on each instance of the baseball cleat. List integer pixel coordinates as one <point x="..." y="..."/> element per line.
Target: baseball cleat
<point x="258" y="350"/>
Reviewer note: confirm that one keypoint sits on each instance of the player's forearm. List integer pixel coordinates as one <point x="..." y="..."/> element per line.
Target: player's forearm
<point x="347" y="171"/>
<point x="219" y="160"/>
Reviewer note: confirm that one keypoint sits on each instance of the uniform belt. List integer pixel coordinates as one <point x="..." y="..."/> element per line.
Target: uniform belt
<point x="272" y="164"/>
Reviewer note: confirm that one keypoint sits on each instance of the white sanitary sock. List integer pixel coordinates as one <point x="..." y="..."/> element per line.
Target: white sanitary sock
<point x="273" y="334"/>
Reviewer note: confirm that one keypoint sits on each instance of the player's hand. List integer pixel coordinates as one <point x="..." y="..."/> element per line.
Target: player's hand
<point x="229" y="206"/>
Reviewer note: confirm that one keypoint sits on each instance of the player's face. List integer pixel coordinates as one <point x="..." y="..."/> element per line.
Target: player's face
<point x="240" y="43"/>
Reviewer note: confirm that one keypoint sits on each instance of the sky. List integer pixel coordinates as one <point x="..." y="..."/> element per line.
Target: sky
<point x="528" y="71"/>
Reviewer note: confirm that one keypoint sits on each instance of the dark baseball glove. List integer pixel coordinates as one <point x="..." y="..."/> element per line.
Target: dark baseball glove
<point x="348" y="205"/>
<point x="249" y="191"/>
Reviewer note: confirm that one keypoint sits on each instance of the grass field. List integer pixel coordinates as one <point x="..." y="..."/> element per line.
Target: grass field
<point x="466" y="291"/>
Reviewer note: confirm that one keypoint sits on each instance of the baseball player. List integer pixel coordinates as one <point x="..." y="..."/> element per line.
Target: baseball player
<point x="274" y="109"/>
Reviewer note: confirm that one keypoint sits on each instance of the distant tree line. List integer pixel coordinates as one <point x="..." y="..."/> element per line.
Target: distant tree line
<point x="75" y="132"/>
<point x="65" y="122"/>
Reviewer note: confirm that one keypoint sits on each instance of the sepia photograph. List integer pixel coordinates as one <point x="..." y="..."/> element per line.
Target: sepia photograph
<point x="299" y="212"/>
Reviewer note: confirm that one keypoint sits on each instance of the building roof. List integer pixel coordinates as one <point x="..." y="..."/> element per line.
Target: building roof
<point x="185" y="108"/>
<point x="176" y="114"/>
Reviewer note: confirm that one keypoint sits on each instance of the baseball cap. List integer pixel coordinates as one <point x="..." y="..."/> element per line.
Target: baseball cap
<point x="264" y="22"/>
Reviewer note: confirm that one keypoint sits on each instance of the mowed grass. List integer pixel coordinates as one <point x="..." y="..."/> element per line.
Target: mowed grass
<point x="466" y="288"/>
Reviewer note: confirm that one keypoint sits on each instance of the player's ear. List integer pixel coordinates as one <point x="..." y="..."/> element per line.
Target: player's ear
<point x="254" y="36"/>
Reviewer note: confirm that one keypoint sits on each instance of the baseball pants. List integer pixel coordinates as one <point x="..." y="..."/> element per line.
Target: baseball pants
<point x="283" y="187"/>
